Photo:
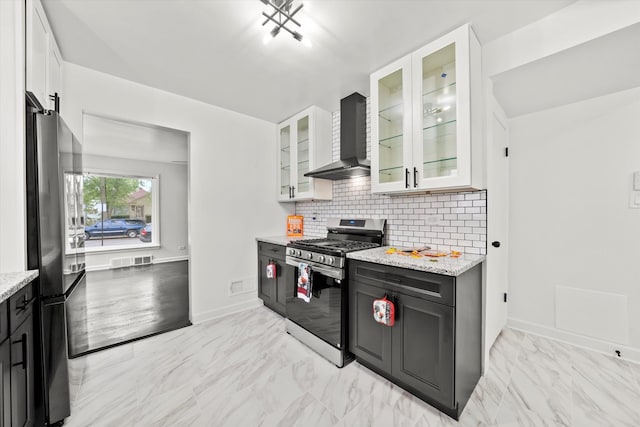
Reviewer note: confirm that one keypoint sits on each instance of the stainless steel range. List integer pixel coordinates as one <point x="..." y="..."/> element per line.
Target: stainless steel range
<point x="317" y="307"/>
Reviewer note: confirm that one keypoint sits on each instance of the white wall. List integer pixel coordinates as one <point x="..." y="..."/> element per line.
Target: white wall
<point x="571" y="225"/>
<point x="12" y="151"/>
<point x="173" y="215"/>
<point x="232" y="177"/>
<point x="570" y="166"/>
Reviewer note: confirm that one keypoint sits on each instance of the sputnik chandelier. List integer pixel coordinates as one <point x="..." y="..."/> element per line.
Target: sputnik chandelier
<point x="281" y="16"/>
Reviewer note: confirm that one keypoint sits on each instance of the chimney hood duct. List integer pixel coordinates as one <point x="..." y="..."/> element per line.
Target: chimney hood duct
<point x="353" y="142"/>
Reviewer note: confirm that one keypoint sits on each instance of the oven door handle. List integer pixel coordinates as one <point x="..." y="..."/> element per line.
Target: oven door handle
<point x="334" y="273"/>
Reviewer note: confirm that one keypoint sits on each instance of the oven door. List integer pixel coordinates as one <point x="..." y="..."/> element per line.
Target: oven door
<point x="322" y="315"/>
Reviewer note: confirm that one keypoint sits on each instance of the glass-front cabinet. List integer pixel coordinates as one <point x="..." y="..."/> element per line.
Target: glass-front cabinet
<point x="427" y="131"/>
<point x="304" y="143"/>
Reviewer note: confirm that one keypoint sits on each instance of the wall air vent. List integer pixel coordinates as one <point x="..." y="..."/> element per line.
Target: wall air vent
<point x="131" y="261"/>
<point x="242" y="286"/>
<point x="142" y="260"/>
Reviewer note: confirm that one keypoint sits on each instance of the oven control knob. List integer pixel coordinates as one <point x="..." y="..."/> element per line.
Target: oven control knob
<point x="298" y="252"/>
<point x="292" y="251"/>
<point x="329" y="260"/>
<point x="321" y="258"/>
<point x="310" y="255"/>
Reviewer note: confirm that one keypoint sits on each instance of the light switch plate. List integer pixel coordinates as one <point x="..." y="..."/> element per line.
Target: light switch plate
<point x="636" y="181"/>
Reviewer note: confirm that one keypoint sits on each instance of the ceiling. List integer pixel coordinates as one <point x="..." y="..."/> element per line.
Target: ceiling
<point x="213" y="50"/>
<point x="115" y="138"/>
<point x="601" y="66"/>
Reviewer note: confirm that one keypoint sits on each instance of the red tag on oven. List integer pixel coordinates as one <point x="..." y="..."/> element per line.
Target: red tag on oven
<point x="271" y="270"/>
<point x="384" y="311"/>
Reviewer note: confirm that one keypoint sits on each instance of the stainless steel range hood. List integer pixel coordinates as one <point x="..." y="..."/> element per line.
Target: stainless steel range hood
<point x="353" y="142"/>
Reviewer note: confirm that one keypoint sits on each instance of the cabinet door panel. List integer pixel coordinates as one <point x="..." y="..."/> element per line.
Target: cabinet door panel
<point x="423" y="347"/>
<point x="266" y="286"/>
<point x="282" y="285"/>
<point x="304" y="159"/>
<point x="285" y="153"/>
<point x="441" y="112"/>
<point x="369" y="340"/>
<point x="54" y="74"/>
<point x="38" y="45"/>
<point x="22" y="370"/>
<point x="391" y="150"/>
<point x="5" y="384"/>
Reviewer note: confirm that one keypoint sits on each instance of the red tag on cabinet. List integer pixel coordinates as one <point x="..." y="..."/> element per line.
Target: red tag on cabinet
<point x="271" y="270"/>
<point x="384" y="311"/>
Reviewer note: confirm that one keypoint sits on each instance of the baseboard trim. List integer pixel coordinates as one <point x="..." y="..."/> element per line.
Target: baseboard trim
<point x="605" y="347"/>
<point x="153" y="261"/>
<point x="170" y="259"/>
<point x="225" y="311"/>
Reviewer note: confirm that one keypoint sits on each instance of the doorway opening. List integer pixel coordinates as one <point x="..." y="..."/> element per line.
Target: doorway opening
<point x="136" y="232"/>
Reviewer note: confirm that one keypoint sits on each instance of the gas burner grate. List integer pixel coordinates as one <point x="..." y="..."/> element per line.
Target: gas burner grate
<point x="335" y="245"/>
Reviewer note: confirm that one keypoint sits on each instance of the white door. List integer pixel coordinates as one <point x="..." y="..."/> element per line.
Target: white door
<point x="497" y="226"/>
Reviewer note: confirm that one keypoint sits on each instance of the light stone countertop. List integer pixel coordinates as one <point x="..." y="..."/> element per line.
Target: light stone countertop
<point x="441" y="265"/>
<point x="10" y="283"/>
<point x="280" y="240"/>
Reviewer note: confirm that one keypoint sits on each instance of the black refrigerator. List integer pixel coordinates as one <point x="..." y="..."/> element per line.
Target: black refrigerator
<point x="55" y="246"/>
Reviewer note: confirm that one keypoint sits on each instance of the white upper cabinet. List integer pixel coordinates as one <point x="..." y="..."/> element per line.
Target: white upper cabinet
<point x="426" y="120"/>
<point x="304" y="143"/>
<point x="44" y="62"/>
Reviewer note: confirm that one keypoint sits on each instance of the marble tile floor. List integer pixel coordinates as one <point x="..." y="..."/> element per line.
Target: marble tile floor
<point x="244" y="370"/>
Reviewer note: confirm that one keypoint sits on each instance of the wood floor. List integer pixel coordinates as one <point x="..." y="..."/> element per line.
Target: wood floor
<point x="124" y="304"/>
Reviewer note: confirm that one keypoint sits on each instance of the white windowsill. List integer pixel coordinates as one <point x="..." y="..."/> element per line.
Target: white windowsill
<point x="104" y="249"/>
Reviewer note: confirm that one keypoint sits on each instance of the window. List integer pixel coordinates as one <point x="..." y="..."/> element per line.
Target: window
<point x="119" y="211"/>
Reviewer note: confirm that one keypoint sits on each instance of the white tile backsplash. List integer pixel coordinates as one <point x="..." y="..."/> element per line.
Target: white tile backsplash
<point x="455" y="221"/>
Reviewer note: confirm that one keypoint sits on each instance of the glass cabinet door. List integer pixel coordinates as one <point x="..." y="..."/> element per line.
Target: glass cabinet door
<point x="439" y="113"/>
<point x="441" y="108"/>
<point x="284" y="141"/>
<point x="390" y="136"/>
<point x="391" y="126"/>
<point x="302" y="159"/>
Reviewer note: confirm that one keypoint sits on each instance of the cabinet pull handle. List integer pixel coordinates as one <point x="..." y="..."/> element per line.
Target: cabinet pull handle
<point x="415" y="177"/>
<point x="289" y="191"/>
<point x="22" y="341"/>
<point x="25" y="304"/>
<point x="406" y="177"/>
<point x="293" y="192"/>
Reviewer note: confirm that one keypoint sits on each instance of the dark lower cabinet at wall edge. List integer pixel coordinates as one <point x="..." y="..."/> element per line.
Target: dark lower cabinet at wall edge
<point x="434" y="348"/>
<point x="17" y="362"/>
<point x="273" y="291"/>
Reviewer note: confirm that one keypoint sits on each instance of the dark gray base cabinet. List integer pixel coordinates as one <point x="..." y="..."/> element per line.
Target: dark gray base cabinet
<point x="273" y="292"/>
<point x="17" y="363"/>
<point x="434" y="348"/>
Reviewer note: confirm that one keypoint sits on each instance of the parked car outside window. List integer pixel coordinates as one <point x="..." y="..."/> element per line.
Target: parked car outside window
<point x="114" y="228"/>
<point x="145" y="234"/>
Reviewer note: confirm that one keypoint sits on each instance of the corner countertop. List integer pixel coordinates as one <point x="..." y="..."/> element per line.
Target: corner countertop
<point x="440" y="265"/>
<point x="10" y="283"/>
<point x="280" y="240"/>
